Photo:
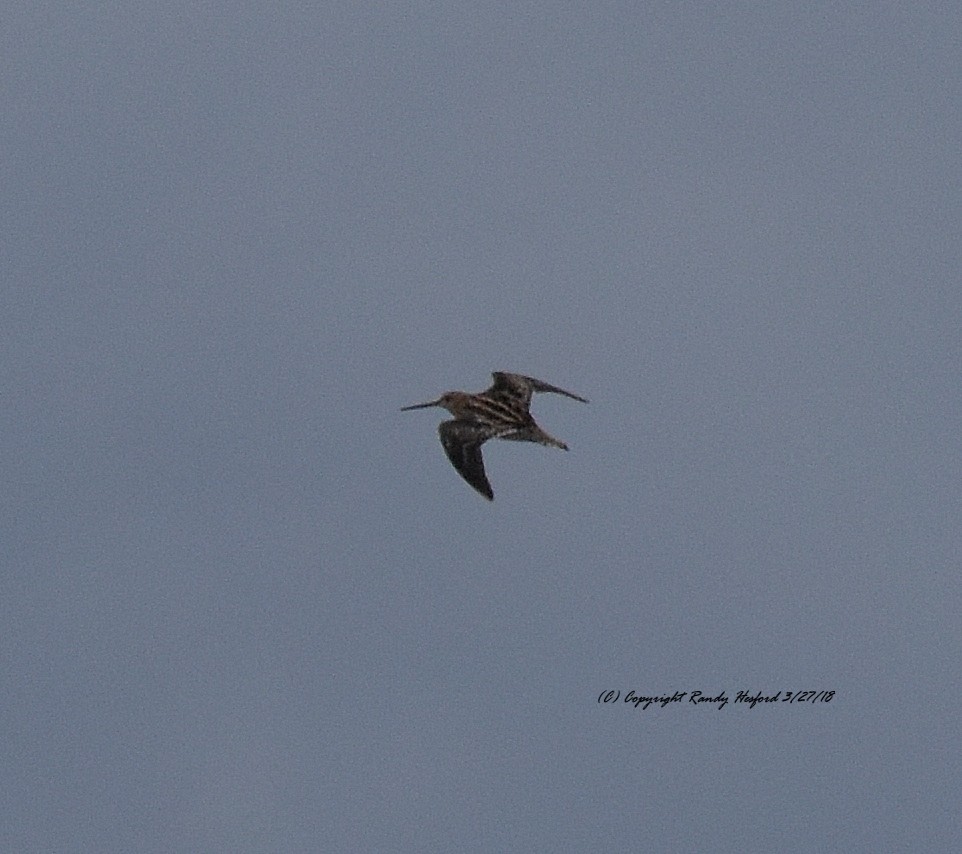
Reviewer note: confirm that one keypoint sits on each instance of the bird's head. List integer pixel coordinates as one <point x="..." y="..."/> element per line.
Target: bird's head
<point x="450" y="401"/>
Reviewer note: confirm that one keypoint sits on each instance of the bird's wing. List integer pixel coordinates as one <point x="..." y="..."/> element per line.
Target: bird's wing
<point x="521" y="387"/>
<point x="462" y="442"/>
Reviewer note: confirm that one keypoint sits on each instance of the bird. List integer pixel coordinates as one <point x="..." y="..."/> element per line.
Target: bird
<point x="500" y="412"/>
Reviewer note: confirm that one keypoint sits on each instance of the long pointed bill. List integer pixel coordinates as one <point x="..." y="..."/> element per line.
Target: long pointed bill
<point x="422" y="405"/>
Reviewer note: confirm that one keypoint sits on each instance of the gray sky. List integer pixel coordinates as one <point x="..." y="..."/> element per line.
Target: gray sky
<point x="248" y="606"/>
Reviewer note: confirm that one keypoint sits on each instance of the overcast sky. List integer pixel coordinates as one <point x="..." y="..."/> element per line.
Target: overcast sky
<point x="248" y="606"/>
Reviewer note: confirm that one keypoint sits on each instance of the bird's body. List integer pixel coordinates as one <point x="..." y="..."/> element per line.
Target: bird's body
<point x="500" y="412"/>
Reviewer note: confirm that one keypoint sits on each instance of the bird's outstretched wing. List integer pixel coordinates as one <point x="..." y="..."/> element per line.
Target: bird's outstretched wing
<point x="462" y="442"/>
<point x="521" y="387"/>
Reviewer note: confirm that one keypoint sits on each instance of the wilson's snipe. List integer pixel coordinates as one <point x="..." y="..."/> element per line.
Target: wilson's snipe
<point x="500" y="412"/>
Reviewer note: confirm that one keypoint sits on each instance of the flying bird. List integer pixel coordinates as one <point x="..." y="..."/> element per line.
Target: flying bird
<point x="500" y="412"/>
